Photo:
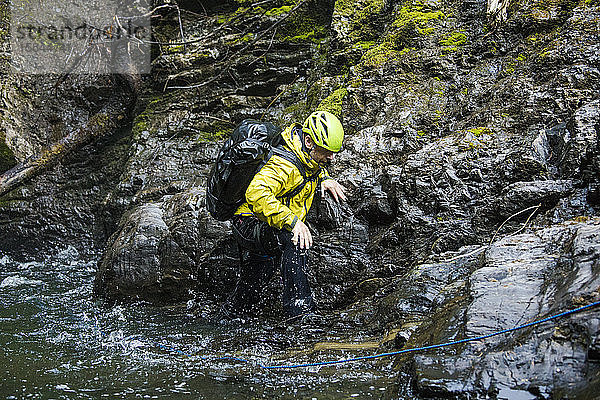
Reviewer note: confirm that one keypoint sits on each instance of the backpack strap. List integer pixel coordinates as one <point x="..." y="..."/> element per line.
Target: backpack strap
<point x="291" y="157"/>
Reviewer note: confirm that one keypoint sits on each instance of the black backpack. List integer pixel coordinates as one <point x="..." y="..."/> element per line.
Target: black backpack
<point x="250" y="146"/>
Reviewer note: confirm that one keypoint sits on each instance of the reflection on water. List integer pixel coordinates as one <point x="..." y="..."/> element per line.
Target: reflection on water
<point x="57" y="341"/>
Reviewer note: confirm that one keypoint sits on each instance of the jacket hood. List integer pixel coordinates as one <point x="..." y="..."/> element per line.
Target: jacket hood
<point x="292" y="137"/>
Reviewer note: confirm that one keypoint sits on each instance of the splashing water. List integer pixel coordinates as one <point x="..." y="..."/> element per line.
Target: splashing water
<point x="58" y="341"/>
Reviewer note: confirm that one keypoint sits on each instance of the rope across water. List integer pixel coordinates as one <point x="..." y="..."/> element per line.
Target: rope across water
<point x="389" y="354"/>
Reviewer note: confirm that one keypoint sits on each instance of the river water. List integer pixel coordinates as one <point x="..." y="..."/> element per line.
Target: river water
<point x="59" y="342"/>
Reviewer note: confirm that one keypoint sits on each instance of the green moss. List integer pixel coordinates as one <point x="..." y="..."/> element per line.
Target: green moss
<point x="416" y="16"/>
<point x="245" y="8"/>
<point x="356" y="82"/>
<point x="364" y="45"/>
<point x="248" y="37"/>
<point x="307" y="24"/>
<point x="140" y="124"/>
<point x="379" y="54"/>
<point x="174" y="49"/>
<point x="214" y="132"/>
<point x="480" y="131"/>
<point x="364" y="18"/>
<point x="311" y="36"/>
<point x="7" y="157"/>
<point x="333" y="102"/>
<point x="144" y="121"/>
<point x="278" y="11"/>
<point x="475" y="138"/>
<point x="204" y="137"/>
<point x="513" y="63"/>
<point x="412" y="20"/>
<point x="453" y="42"/>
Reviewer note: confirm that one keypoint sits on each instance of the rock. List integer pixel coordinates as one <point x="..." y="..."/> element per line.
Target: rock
<point x="165" y="252"/>
<point x="521" y="195"/>
<point x="65" y="205"/>
<point x="144" y="261"/>
<point x="339" y="258"/>
<point x="522" y="278"/>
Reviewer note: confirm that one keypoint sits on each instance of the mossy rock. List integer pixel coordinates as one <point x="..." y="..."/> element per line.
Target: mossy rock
<point x="308" y="24"/>
<point x="411" y="22"/>
<point x="364" y="19"/>
<point x="452" y="42"/>
<point x="333" y="102"/>
<point x="7" y="157"/>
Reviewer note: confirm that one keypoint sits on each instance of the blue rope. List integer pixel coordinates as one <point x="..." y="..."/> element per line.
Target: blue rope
<point x="434" y="346"/>
<point x="393" y="353"/>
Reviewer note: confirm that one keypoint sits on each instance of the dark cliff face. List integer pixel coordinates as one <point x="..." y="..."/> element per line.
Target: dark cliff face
<point x="460" y="132"/>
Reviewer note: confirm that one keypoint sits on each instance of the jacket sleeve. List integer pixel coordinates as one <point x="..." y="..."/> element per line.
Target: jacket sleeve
<point x="324" y="175"/>
<point x="271" y="181"/>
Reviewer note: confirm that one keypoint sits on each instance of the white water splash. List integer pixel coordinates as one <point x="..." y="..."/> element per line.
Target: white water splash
<point x="16" y="281"/>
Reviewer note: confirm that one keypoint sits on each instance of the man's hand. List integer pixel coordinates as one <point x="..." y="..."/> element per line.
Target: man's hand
<point x="302" y="236"/>
<point x="333" y="187"/>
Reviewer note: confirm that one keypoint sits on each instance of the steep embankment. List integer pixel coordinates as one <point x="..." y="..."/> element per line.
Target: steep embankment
<point x="460" y="131"/>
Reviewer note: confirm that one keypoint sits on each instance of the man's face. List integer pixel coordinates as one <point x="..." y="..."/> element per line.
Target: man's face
<point x="322" y="156"/>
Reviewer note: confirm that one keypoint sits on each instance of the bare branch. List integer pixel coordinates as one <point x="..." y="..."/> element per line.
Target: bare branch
<point x="534" y="208"/>
<point x="181" y="27"/>
<point x="266" y="51"/>
<point x="242" y="50"/>
<point x="214" y="32"/>
<point x="278" y="96"/>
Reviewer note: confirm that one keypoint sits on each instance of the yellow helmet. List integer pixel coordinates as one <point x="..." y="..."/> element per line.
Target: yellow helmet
<point x="325" y="130"/>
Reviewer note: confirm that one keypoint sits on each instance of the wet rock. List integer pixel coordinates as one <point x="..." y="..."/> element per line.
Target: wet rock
<point x="339" y="258"/>
<point x="593" y="194"/>
<point x="583" y="144"/>
<point x="521" y="195"/>
<point x="166" y="252"/>
<point x="65" y="205"/>
<point x="40" y="111"/>
<point x="144" y="261"/>
<point x="378" y="208"/>
<point x="522" y="278"/>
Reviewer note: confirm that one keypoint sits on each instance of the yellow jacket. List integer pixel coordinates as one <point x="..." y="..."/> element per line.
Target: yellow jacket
<point x="265" y="194"/>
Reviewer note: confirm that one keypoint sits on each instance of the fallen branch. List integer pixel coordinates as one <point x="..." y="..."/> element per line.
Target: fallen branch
<point x="497" y="11"/>
<point x="98" y="125"/>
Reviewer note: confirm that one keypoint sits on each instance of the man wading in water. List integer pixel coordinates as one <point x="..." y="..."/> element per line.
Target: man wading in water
<point x="270" y="226"/>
